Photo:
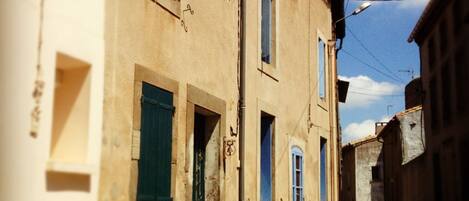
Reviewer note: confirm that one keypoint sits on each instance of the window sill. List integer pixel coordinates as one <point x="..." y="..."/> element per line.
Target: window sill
<point x="269" y="70"/>
<point x="322" y="103"/>
<point x="71" y="168"/>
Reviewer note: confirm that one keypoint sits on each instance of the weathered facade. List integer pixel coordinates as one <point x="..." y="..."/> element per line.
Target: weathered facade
<point x="140" y="100"/>
<point x="362" y="170"/>
<point x="441" y="33"/>
<point x="403" y="156"/>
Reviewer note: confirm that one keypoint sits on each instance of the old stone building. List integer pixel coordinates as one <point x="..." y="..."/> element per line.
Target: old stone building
<point x="403" y="156"/>
<point x="441" y="34"/>
<point x="362" y="170"/>
<point x="119" y="100"/>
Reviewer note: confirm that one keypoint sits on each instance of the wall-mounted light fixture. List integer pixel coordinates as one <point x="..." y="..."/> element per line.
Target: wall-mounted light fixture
<point x="357" y="11"/>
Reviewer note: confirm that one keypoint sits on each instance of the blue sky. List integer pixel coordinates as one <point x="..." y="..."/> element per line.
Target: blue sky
<point x="383" y="29"/>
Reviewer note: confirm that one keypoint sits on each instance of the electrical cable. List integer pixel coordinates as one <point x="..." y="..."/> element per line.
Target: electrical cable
<point x="370" y="94"/>
<point x="370" y="66"/>
<point x="372" y="55"/>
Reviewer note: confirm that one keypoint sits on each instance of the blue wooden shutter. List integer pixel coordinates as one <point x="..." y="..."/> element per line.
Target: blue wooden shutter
<point x="154" y="166"/>
<point x="266" y="30"/>
<point x="321" y="68"/>
<point x="323" y="170"/>
<point x="266" y="158"/>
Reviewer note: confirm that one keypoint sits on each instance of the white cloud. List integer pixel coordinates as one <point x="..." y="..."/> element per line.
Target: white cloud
<point x="364" y="91"/>
<point x="355" y="130"/>
<point x="412" y="3"/>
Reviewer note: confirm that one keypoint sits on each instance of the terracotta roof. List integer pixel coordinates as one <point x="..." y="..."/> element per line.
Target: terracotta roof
<point x="361" y="141"/>
<point x="410" y="110"/>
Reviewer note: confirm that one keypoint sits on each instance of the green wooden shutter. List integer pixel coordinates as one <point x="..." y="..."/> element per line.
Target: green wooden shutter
<point x="154" y="166"/>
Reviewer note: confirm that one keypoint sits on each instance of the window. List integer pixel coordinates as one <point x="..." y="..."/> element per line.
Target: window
<point x="431" y="53"/>
<point x="447" y="92"/>
<point x="434" y="104"/>
<point x="266" y="157"/>
<point x="323" y="169"/>
<point x="321" y="69"/>
<point x="297" y="174"/>
<point x="443" y="28"/>
<point x="462" y="79"/>
<point x="457" y="16"/>
<point x="437" y="188"/>
<point x="266" y="31"/>
<point x="376" y="173"/>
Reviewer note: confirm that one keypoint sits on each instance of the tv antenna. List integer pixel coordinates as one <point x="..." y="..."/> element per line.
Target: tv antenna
<point x="387" y="109"/>
<point x="410" y="71"/>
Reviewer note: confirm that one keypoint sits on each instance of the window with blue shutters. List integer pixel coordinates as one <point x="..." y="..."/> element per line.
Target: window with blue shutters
<point x="297" y="174"/>
<point x="323" y="169"/>
<point x="266" y="31"/>
<point x="321" y="68"/>
<point x="266" y="157"/>
<point x="154" y="165"/>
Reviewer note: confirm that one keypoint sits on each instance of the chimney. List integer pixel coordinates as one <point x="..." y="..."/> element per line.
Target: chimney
<point x="413" y="93"/>
<point x="379" y="126"/>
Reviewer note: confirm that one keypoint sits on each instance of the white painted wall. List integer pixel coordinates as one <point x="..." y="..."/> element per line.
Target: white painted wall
<point x="75" y="28"/>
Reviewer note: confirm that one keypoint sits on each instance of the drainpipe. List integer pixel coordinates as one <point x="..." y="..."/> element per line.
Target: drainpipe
<point x="242" y="97"/>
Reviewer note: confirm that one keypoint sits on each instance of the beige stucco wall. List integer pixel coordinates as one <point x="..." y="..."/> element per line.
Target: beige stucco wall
<point x="126" y="42"/>
<point x="74" y="28"/>
<point x="142" y="33"/>
<point x="290" y="86"/>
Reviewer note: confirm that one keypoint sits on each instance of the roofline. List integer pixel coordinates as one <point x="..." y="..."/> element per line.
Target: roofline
<point x="394" y="119"/>
<point x="423" y="20"/>
<point x="361" y="141"/>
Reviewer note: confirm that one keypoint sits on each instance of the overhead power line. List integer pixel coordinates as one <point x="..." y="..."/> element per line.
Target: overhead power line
<point x="373" y="55"/>
<point x="370" y="94"/>
<point x="370" y="66"/>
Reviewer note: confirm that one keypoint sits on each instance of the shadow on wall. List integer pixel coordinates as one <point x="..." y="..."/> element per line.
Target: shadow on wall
<point x="377" y="186"/>
<point x="57" y="181"/>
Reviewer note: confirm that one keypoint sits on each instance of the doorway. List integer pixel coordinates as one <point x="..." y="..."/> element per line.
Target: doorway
<point x="206" y="155"/>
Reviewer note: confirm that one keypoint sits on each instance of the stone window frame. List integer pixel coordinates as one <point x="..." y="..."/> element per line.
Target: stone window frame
<point x="301" y="145"/>
<point x="198" y="98"/>
<point x="269" y="69"/>
<point x="328" y="173"/>
<point x="143" y="74"/>
<point x="297" y="151"/>
<point x="322" y="102"/>
<point x="267" y="108"/>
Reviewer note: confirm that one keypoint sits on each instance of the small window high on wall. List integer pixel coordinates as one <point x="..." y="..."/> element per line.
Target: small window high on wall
<point x="321" y="68"/>
<point x="297" y="174"/>
<point x="323" y="169"/>
<point x="266" y="31"/>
